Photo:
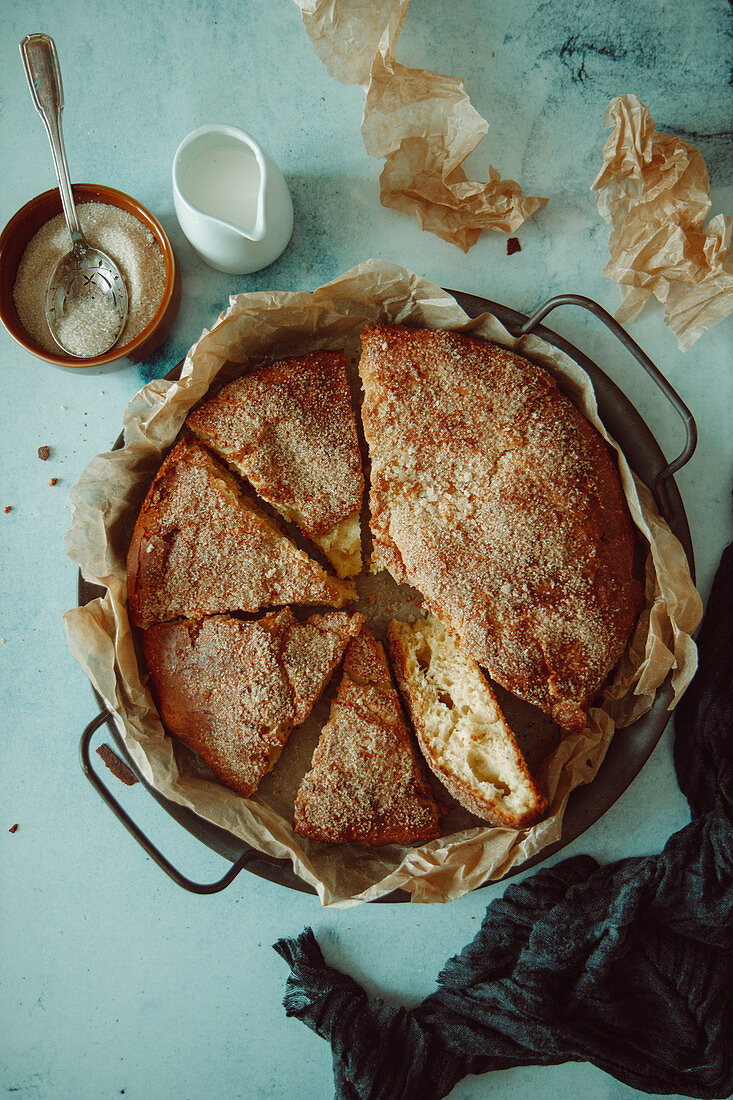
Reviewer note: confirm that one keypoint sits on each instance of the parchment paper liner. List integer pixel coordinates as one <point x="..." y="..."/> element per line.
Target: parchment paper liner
<point x="269" y="325"/>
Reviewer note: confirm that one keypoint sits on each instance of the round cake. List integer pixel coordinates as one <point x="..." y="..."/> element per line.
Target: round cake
<point x="489" y="493"/>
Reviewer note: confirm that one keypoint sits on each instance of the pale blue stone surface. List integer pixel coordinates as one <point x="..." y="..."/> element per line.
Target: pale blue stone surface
<point x="115" y="980"/>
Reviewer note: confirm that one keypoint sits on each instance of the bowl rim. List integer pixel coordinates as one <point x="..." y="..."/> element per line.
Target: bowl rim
<point x="83" y="193"/>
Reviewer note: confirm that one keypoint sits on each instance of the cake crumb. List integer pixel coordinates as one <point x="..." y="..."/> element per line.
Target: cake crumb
<point x="118" y="767"/>
<point x="44" y="452"/>
<point x="13" y="828"/>
<point x="512" y="246"/>
<point x="53" y="481"/>
<point x="8" y="508"/>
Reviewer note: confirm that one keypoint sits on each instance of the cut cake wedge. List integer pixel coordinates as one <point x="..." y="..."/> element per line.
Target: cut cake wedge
<point x="200" y="546"/>
<point x="499" y="501"/>
<point x="289" y="429"/>
<point x="367" y="783"/>
<point x="235" y="690"/>
<point x="460" y="728"/>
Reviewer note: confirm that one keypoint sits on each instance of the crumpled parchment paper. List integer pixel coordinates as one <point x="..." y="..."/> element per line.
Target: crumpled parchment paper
<point x="264" y="326"/>
<point x="420" y="122"/>
<point x="654" y="191"/>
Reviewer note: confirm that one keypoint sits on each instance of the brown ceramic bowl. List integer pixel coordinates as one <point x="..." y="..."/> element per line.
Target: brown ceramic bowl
<point x="17" y="234"/>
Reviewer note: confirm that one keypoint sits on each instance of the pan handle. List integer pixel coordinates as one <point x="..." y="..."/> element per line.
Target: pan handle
<point x="654" y="373"/>
<point x="144" y="842"/>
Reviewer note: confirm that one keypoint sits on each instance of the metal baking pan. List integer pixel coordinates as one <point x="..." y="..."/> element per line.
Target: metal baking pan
<point x="630" y="748"/>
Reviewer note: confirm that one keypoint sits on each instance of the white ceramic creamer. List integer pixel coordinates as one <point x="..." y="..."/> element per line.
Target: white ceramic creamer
<point x="231" y="199"/>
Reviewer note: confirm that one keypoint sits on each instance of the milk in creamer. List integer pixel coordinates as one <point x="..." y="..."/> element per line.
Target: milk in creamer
<point x="225" y="183"/>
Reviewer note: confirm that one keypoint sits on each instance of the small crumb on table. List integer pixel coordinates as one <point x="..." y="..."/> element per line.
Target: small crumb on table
<point x="512" y="246"/>
<point x="44" y="452"/>
<point x="8" y="508"/>
<point x="13" y="829"/>
<point x="53" y="481"/>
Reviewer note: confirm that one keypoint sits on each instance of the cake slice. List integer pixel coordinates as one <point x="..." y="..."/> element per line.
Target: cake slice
<point x="234" y="690"/>
<point x="460" y="728"/>
<point x="201" y="547"/>
<point x="494" y="496"/>
<point x="366" y="783"/>
<point x="289" y="429"/>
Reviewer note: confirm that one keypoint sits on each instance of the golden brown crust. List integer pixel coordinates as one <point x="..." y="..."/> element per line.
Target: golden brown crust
<point x="200" y="547"/>
<point x="496" y="498"/>
<point x="513" y="777"/>
<point x="288" y="427"/>
<point x="366" y="784"/>
<point x="234" y="690"/>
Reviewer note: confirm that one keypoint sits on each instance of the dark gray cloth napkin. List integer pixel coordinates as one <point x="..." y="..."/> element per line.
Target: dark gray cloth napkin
<point x="628" y="966"/>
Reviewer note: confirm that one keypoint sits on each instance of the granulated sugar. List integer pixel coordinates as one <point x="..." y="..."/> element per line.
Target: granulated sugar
<point x="118" y="233"/>
<point x="88" y="325"/>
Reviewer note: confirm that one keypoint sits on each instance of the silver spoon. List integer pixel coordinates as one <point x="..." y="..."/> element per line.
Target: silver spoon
<point x="86" y="285"/>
